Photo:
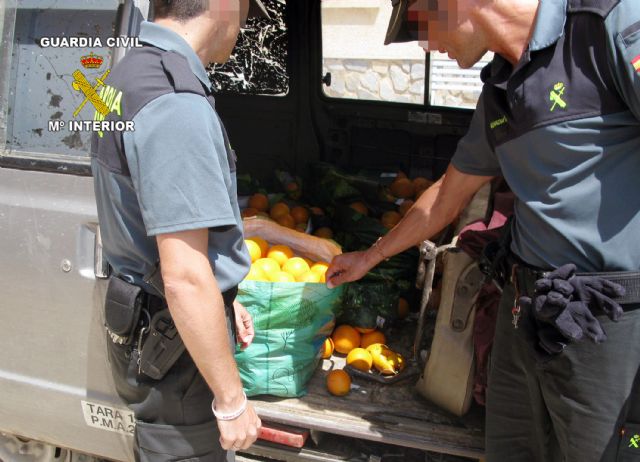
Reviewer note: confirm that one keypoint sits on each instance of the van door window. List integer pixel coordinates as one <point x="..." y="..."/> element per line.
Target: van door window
<point x="52" y="51"/>
<point x="362" y="67"/>
<point x="451" y="86"/>
<point x="258" y="64"/>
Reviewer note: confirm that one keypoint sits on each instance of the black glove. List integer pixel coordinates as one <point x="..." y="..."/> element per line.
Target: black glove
<point x="595" y="291"/>
<point x="598" y="294"/>
<point x="572" y="321"/>
<point x="561" y="309"/>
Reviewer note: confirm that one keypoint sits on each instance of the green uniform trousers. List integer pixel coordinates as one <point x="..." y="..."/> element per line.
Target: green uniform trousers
<point x="579" y="406"/>
<point x="174" y="421"/>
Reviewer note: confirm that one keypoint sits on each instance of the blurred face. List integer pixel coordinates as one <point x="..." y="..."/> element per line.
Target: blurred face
<point x="230" y="15"/>
<point x="449" y="29"/>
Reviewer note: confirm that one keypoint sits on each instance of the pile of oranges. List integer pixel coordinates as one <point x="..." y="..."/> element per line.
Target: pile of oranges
<point x="403" y="191"/>
<point x="365" y="350"/>
<point x="277" y="263"/>
<point x="293" y="217"/>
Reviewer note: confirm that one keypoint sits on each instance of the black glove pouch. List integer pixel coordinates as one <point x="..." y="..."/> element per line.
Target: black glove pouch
<point x="122" y="308"/>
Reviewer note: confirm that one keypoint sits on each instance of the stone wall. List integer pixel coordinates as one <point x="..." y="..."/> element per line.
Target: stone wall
<point x="399" y="81"/>
<point x="376" y="79"/>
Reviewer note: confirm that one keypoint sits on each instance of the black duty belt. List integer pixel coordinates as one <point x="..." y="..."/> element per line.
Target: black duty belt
<point x="155" y="303"/>
<point x="526" y="276"/>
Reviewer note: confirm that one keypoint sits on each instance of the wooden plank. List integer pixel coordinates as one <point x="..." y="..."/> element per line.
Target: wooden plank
<point x="392" y="414"/>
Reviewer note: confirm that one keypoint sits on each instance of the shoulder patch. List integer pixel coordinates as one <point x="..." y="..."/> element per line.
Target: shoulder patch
<point x="599" y="7"/>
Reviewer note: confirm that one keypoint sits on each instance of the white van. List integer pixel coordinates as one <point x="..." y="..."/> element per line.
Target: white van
<point x="315" y="84"/>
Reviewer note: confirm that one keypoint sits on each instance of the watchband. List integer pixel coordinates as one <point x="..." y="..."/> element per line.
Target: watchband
<point x="231" y="415"/>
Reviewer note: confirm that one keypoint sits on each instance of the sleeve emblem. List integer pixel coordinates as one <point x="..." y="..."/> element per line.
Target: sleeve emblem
<point x="635" y="62"/>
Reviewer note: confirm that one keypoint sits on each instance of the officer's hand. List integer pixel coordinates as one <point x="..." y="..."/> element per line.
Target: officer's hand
<point x="244" y="325"/>
<point x="240" y="433"/>
<point x="347" y="267"/>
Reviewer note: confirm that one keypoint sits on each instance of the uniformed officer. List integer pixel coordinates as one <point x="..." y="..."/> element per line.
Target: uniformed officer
<point x="559" y="118"/>
<point x="167" y="191"/>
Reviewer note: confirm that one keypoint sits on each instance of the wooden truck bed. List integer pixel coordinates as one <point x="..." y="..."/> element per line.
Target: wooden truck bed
<point x="390" y="413"/>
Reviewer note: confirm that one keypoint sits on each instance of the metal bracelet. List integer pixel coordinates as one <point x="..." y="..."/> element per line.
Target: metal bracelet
<point x="231" y="415"/>
<point x="379" y="250"/>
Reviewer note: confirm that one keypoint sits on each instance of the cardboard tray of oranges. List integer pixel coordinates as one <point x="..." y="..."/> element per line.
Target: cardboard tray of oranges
<point x="406" y="373"/>
<point x="366" y="356"/>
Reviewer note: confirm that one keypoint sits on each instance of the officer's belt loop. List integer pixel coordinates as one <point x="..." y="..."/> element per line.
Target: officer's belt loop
<point x="526" y="276"/>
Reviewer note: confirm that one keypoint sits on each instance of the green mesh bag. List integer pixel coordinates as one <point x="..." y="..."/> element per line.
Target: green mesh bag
<point x="291" y="321"/>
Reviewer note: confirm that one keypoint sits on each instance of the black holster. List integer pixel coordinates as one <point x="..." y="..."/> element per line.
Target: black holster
<point x="154" y="335"/>
<point x="122" y="308"/>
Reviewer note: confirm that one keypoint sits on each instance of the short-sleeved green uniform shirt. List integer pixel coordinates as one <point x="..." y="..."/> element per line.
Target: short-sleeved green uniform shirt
<point x="175" y="171"/>
<point x="563" y="128"/>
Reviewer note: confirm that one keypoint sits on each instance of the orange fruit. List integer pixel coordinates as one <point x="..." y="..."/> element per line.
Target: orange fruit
<point x="264" y="246"/>
<point x="256" y="274"/>
<point x="338" y="382"/>
<point x="260" y="202"/>
<point x="360" y="207"/>
<point x="390" y="219"/>
<point x="345" y="338"/>
<point x="376" y="348"/>
<point x="309" y="276"/>
<point x="405" y="206"/>
<point x="279" y="210"/>
<point x="316" y="211"/>
<point x="254" y="250"/>
<point x="403" y="308"/>
<point x="300" y="214"/>
<point x="268" y="266"/>
<point x="365" y="330"/>
<point x="280" y="253"/>
<point x="248" y="212"/>
<point x="327" y="348"/>
<point x="301" y="227"/>
<point x="372" y="337"/>
<point x="281" y="276"/>
<point x="402" y="187"/>
<point x="385" y="360"/>
<point x="420" y="182"/>
<point x="324" y="232"/>
<point x="287" y="221"/>
<point x="360" y="358"/>
<point x="309" y="262"/>
<point x="263" y="214"/>
<point x="321" y="268"/>
<point x="296" y="267"/>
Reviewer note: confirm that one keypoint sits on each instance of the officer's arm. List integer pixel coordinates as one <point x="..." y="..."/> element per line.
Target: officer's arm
<point x="197" y="308"/>
<point x="433" y="211"/>
<point x="436" y="208"/>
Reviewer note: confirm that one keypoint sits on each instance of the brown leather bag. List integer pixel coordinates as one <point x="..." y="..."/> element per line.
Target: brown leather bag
<point x="448" y="375"/>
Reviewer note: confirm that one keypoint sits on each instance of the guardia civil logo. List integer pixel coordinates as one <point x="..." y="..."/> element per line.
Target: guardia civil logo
<point x="557" y="97"/>
<point x="91" y="85"/>
<point x="81" y="84"/>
